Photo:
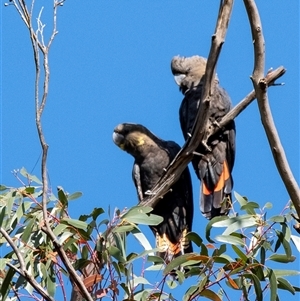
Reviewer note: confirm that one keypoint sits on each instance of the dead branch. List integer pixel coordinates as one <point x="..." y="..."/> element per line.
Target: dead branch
<point x="260" y="87"/>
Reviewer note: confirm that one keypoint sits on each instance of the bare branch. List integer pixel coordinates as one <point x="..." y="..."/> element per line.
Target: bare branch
<point x="243" y="104"/>
<point x="260" y="87"/>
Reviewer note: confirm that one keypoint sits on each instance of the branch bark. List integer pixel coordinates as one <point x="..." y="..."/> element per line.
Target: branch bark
<point x="260" y="87"/>
<point x="199" y="134"/>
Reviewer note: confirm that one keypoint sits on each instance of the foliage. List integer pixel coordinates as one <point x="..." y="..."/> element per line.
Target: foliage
<point x="97" y="248"/>
<point x="43" y="246"/>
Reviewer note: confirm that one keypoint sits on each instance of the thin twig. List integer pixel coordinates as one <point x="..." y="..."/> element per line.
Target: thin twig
<point x="260" y="87"/>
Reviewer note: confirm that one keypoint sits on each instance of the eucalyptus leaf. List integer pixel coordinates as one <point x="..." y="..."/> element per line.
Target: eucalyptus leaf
<point x="282" y="258"/>
<point x="284" y="273"/>
<point x="74" y="196"/>
<point x="211" y="224"/>
<point x="194" y="237"/>
<point x="74" y="223"/>
<point x="230" y="240"/>
<point x="242" y="200"/>
<point x="257" y="286"/>
<point x="285" y="285"/>
<point x="273" y="284"/>
<point x="209" y="294"/>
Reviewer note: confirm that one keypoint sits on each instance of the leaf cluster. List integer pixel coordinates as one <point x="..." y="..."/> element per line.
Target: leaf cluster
<point x="240" y="258"/>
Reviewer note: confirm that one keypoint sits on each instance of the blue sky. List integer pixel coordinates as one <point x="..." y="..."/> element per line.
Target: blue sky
<point x="110" y="63"/>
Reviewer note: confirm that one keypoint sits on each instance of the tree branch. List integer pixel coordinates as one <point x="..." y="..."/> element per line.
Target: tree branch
<point x="260" y="87"/>
<point x="185" y="155"/>
<point x="23" y="271"/>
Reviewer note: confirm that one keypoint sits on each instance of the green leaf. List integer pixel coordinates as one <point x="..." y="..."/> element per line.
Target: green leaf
<point x="30" y="190"/>
<point x="230" y="240"/>
<point x="6" y="284"/>
<point x="285" y="285"/>
<point x="257" y="287"/>
<point x="240" y="253"/>
<point x="248" y="222"/>
<point x="178" y="261"/>
<point x="278" y="219"/>
<point x="3" y="216"/>
<point x="221" y="259"/>
<point x="32" y="178"/>
<point x="137" y="210"/>
<point x="202" y="283"/>
<point x="284" y="273"/>
<point x="210" y="295"/>
<point x="171" y="284"/>
<point x="156" y="267"/>
<point x="62" y="196"/>
<point x="138" y="280"/>
<point x="74" y="223"/>
<point x="141" y="238"/>
<point x="116" y="253"/>
<point x="9" y="199"/>
<point x="145" y="253"/>
<point x="28" y="231"/>
<point x="22" y="208"/>
<point x="210" y="225"/>
<point x="143" y="219"/>
<point x="3" y="187"/>
<point x="268" y="205"/>
<point x="249" y="208"/>
<point x="51" y="283"/>
<point x="285" y="244"/>
<point x="59" y="229"/>
<point x="124" y="229"/>
<point x="242" y="200"/>
<point x="74" y="196"/>
<point x="273" y="284"/>
<point x="190" y="292"/>
<point x="155" y="259"/>
<point x="194" y="237"/>
<point x="282" y="258"/>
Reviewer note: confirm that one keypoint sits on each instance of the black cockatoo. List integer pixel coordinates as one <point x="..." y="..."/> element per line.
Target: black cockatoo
<point x="152" y="155"/>
<point x="213" y="164"/>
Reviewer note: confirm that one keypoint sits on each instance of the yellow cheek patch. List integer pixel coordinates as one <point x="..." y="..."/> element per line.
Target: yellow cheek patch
<point x="121" y="146"/>
<point x="140" y="141"/>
